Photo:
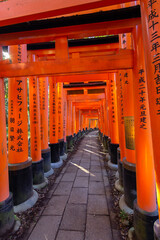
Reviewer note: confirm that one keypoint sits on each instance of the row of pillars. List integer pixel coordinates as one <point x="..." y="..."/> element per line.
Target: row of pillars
<point x="25" y="167"/>
<point x="130" y="125"/>
<point x="128" y="118"/>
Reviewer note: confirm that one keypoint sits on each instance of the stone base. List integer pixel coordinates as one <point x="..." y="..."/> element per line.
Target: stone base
<point x="7" y="220"/>
<point x="131" y="234"/>
<point x="117" y="174"/>
<point x="118" y="186"/>
<point x="49" y="173"/>
<point x="57" y="164"/>
<point x="41" y="185"/>
<point x="143" y="223"/>
<point x="16" y="225"/>
<point x="112" y="166"/>
<point x="27" y="204"/>
<point x="64" y="157"/>
<point x="156" y="230"/>
<point x="107" y="157"/>
<point x="124" y="207"/>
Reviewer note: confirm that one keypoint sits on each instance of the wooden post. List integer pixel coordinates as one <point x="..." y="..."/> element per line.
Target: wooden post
<point x="45" y="149"/>
<point x="151" y="40"/>
<point x="145" y="208"/>
<point x="34" y="103"/>
<point x="112" y="102"/>
<point x="5" y="197"/>
<point x="53" y="124"/>
<point x="20" y="166"/>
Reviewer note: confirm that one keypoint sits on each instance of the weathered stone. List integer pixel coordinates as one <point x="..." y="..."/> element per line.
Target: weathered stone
<point x="97" y="204"/>
<point x="79" y="196"/>
<point x="81" y="182"/>
<point x="64" y="188"/>
<point x="98" y="228"/>
<point x="74" y="218"/>
<point x="46" y="228"/>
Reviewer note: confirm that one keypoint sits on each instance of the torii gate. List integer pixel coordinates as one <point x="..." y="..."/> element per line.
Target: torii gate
<point x="13" y="12"/>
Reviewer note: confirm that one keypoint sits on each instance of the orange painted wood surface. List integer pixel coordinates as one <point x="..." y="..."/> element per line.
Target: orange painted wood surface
<point x="151" y="35"/>
<point x="112" y="102"/>
<point x="43" y="94"/>
<point x="17" y="111"/>
<point x="73" y="32"/>
<point x="16" y="11"/>
<point x="4" y="184"/>
<point x="60" y="109"/>
<point x="120" y="111"/>
<point x="53" y="111"/>
<point x="146" y="195"/>
<point x="122" y="60"/>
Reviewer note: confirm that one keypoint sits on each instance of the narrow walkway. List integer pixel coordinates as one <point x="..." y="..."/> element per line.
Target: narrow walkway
<point x="79" y="207"/>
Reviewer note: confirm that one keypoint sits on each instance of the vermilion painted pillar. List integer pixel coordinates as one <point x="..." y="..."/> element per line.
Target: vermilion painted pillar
<point x="45" y="149"/>
<point x="61" y="52"/>
<point x="53" y="124"/>
<point x="60" y="117"/>
<point x="77" y="121"/>
<point x="112" y="102"/>
<point x="69" y="125"/>
<point x="6" y="201"/>
<point x="65" y="122"/>
<point x="129" y="167"/>
<point x="20" y="166"/>
<point x="37" y="160"/>
<point x="121" y="151"/>
<point x="105" y="136"/>
<point x="74" y="123"/>
<point x="107" y="117"/>
<point x="145" y="207"/>
<point x="150" y="12"/>
<point x="87" y="124"/>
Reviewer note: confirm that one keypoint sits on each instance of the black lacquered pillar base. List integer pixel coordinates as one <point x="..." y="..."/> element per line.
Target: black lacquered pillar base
<point x="46" y="155"/>
<point x="61" y="145"/>
<point x="38" y="174"/>
<point x="129" y="182"/>
<point x="65" y="147"/>
<point x="69" y="140"/>
<point x="7" y="219"/>
<point x="74" y="138"/>
<point x="105" y="142"/>
<point x="113" y="152"/>
<point x="80" y="133"/>
<point x="120" y="167"/>
<point x="56" y="161"/>
<point x="21" y="185"/>
<point x="119" y="174"/>
<point x="55" y="152"/>
<point x="143" y="223"/>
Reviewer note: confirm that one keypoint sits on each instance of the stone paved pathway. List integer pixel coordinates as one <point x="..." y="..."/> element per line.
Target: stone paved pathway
<point x="80" y="204"/>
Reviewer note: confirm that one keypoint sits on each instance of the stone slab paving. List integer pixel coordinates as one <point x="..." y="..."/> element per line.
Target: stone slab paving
<point x="79" y="205"/>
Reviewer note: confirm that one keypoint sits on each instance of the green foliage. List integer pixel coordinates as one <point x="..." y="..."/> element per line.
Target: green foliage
<point x="123" y="215"/>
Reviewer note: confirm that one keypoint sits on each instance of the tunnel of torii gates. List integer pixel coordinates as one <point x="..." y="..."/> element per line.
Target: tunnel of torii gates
<point x="89" y="64"/>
